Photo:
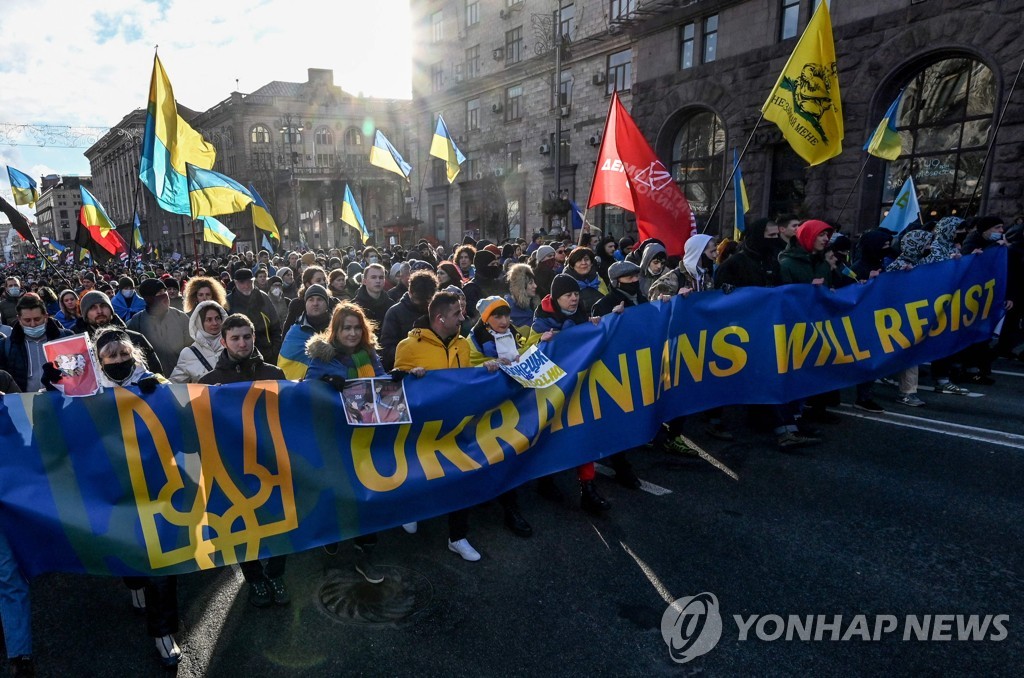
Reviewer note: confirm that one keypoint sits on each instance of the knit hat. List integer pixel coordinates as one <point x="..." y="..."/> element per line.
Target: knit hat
<point x="308" y="258"/>
<point x="484" y="258"/>
<point x="417" y="265"/>
<point x="809" y="230"/>
<point x="454" y="290"/>
<point x="545" y="251"/>
<point x="242" y="274"/>
<point x="274" y="280"/>
<point x="150" y="287"/>
<point x="563" y="284"/>
<point x="316" y="291"/>
<point x="488" y="306"/>
<point x="494" y="249"/>
<point x="90" y="299"/>
<point x="125" y="281"/>
<point x="622" y="269"/>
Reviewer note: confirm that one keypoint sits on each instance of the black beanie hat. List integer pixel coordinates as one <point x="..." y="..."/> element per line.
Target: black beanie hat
<point x="563" y="284"/>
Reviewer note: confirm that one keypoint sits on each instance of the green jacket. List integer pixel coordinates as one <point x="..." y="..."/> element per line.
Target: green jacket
<point x="797" y="265"/>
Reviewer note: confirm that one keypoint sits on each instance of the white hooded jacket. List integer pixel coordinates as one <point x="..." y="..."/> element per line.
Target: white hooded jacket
<point x="190" y="368"/>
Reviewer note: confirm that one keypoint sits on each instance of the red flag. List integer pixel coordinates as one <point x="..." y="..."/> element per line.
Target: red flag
<point x="629" y="175"/>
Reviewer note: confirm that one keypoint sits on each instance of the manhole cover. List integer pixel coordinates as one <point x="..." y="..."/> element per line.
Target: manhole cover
<point x="347" y="598"/>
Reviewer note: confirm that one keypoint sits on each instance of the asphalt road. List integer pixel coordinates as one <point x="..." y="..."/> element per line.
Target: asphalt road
<point x="891" y="516"/>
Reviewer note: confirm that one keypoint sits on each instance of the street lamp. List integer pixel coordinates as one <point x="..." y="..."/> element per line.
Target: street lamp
<point x="290" y="131"/>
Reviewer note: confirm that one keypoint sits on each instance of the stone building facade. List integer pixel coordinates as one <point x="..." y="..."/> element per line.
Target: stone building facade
<point x="58" y="206"/>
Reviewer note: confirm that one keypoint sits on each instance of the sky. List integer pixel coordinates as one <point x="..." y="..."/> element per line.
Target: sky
<point x="88" y="63"/>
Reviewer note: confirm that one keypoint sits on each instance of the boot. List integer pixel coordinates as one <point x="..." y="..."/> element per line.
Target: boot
<point x="590" y="500"/>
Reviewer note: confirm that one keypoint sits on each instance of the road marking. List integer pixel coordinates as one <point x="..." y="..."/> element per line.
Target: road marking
<point x="651" y="488"/>
<point x="946" y="428"/>
<point x="649" y="573"/>
<point x="1008" y="374"/>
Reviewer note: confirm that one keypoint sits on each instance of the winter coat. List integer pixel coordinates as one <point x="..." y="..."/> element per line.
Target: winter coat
<point x="258" y="308"/>
<point x="549" y="316"/>
<point x="296" y="307"/>
<point x="797" y="265"/>
<point x="227" y="371"/>
<point x="8" y="309"/>
<point x="482" y="346"/>
<point x="423" y="348"/>
<point x="650" y="251"/>
<point x="399" y="319"/>
<point x="190" y="368"/>
<point x="613" y="299"/>
<point x="67" y="322"/>
<point x="592" y="288"/>
<point x="168" y="335"/>
<point x="325" y="359"/>
<point x="126" y="309"/>
<point x="522" y="306"/>
<point x="15" y="357"/>
<point x="480" y="288"/>
<point x="152" y="359"/>
<point x="293" y="359"/>
<point x="375" y="309"/>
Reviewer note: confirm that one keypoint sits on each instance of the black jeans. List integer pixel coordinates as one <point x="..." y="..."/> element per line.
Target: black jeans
<point x="254" y="570"/>
<point x="161" y="603"/>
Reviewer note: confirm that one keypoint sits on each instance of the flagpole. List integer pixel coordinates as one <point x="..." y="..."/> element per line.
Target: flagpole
<point x="854" y="188"/>
<point x="732" y="174"/>
<point x="597" y="163"/>
<point x="992" y="143"/>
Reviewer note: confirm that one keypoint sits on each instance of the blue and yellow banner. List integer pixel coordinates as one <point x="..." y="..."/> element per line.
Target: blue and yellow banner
<point x="23" y="187"/>
<point x="193" y="477"/>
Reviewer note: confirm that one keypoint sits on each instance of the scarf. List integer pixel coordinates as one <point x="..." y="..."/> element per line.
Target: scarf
<point x="593" y="281"/>
<point x="505" y="344"/>
<point x="359" y="364"/>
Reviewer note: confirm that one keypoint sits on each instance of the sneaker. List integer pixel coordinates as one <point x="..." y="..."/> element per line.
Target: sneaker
<point x="790" y="440"/>
<point x="869" y="405"/>
<point x="951" y="388"/>
<point x="983" y="379"/>
<point x="463" y="548"/>
<point x="410" y="527"/>
<point x="679" y="446"/>
<point x="910" y="400"/>
<point x="259" y="594"/>
<point x="331" y="549"/>
<point x="367" y="569"/>
<point x="138" y="600"/>
<point x="515" y="522"/>
<point x="168" y="650"/>
<point x="888" y="381"/>
<point x="279" y="591"/>
<point x="718" y="432"/>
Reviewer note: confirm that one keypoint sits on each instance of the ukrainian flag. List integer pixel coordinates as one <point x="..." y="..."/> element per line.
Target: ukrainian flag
<point x="444" y="148"/>
<point x="168" y="144"/>
<point x="351" y="215"/>
<point x="742" y="203"/>
<point x="211" y="193"/>
<point x="216" y="232"/>
<point x="384" y="155"/>
<point x="885" y="142"/>
<point x="268" y="244"/>
<point x="261" y="218"/>
<point x="137" y="240"/>
<point x="24" y="187"/>
<point x="93" y="213"/>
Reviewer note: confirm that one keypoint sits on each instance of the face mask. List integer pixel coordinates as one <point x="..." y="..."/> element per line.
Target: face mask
<point x="14" y="291"/>
<point x="630" y="288"/>
<point x="276" y="291"/>
<point x="35" y="332"/>
<point x="128" y="294"/>
<point x="995" y="237"/>
<point x="119" y="371"/>
<point x="372" y="260"/>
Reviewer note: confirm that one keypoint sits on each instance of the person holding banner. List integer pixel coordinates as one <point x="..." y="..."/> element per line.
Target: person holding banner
<point x="22" y="354"/>
<point x="347" y="350"/>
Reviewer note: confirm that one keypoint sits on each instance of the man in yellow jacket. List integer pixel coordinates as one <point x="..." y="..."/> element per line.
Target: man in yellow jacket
<point x="434" y="343"/>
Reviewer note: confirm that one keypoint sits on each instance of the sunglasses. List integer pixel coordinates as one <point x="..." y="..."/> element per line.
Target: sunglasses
<point x="559" y="251"/>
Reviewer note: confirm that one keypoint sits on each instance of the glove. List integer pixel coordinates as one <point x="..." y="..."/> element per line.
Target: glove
<point x="148" y="385"/>
<point x="727" y="288"/>
<point x="398" y="375"/>
<point x="335" y="381"/>
<point x="51" y="375"/>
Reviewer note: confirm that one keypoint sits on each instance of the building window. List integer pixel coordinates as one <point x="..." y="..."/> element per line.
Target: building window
<point x="439" y="173"/>
<point x="473" y="62"/>
<point x="325" y="160"/>
<point x="472" y="168"/>
<point x="324" y="137"/>
<point x="439" y="218"/>
<point x="437" y="26"/>
<point x="564" y="89"/>
<point x="710" y="38"/>
<point x="515" y="156"/>
<point x="686" y="46"/>
<point x="790" y="19"/>
<point x="472" y="12"/>
<point x="567" y="20"/>
<point x="259" y="135"/>
<point x="353" y="137"/>
<point x="473" y="114"/>
<point x="291" y="135"/>
<point x="620" y="72"/>
<point x="514" y="46"/>
<point x="436" y="76"/>
<point x="513" y="101"/>
<point x="698" y="156"/>
<point x="622" y="10"/>
<point x="944" y="122"/>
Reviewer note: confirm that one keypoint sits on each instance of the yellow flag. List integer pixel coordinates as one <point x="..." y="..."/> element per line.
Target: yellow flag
<point x="805" y="102"/>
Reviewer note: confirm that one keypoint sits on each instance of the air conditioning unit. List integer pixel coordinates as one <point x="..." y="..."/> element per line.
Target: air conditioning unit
<point x="478" y="175"/>
<point x="594" y="140"/>
<point x="598" y="78"/>
<point x="545" y="149"/>
<point x="614" y="29"/>
<point x="498" y="53"/>
<point x="496" y="108"/>
<point x="499" y="172"/>
<point x="565" y="111"/>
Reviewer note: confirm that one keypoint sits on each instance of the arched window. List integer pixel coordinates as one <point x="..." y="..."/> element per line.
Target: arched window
<point x="324" y="137"/>
<point x="944" y="120"/>
<point x="698" y="156"/>
<point x="259" y="135"/>
<point x="353" y="137"/>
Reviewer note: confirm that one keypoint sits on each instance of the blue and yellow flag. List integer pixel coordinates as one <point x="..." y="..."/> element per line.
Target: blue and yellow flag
<point x="805" y="102"/>
<point x="905" y="209"/>
<point x="261" y="217"/>
<point x="351" y="215"/>
<point x="268" y="244"/>
<point x="23" y="187"/>
<point x="211" y="193"/>
<point x="742" y="204"/>
<point x="168" y="144"/>
<point x="137" y="240"/>
<point x="444" y="148"/>
<point x="885" y="142"/>
<point x="216" y="232"/>
<point x="384" y="155"/>
<point x="93" y="213"/>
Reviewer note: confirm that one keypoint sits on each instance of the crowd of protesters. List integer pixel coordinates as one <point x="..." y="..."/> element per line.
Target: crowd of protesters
<point x="346" y="314"/>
